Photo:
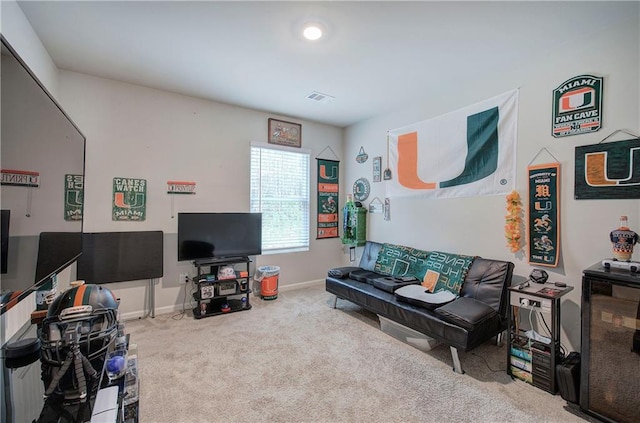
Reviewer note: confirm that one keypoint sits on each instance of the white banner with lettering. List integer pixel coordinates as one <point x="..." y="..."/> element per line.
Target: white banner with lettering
<point x="465" y="153"/>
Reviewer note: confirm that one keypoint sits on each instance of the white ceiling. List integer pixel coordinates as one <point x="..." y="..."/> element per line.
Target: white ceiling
<point x="377" y="56"/>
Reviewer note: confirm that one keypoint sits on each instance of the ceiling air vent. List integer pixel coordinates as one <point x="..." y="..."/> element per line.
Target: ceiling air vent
<point x="319" y="97"/>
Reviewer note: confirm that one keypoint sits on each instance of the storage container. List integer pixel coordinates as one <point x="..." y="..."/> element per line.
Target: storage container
<point x="407" y="335"/>
<point x="268" y="277"/>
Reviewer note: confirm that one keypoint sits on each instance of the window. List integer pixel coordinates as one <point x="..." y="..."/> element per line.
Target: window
<point x="280" y="191"/>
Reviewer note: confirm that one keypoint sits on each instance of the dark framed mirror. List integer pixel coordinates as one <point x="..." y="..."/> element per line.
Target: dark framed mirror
<point x="42" y="190"/>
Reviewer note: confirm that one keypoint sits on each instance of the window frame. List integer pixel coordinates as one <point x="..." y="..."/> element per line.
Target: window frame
<point x="265" y="219"/>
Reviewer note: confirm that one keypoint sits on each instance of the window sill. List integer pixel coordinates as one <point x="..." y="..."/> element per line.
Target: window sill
<point x="285" y="251"/>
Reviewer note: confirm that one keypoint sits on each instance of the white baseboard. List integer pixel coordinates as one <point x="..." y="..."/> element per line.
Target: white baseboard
<point x="300" y="285"/>
<point x="139" y="314"/>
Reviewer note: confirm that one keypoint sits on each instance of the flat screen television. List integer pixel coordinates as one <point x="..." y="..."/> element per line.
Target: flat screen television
<point x="42" y="164"/>
<point x="6" y="216"/>
<point x="219" y="235"/>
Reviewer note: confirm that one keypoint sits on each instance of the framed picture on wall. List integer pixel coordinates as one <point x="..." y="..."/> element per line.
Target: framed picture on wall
<point x="377" y="165"/>
<point x="285" y="133"/>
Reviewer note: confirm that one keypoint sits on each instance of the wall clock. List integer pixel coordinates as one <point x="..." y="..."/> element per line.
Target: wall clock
<point x="361" y="189"/>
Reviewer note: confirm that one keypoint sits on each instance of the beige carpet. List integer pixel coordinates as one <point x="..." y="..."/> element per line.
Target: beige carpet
<point x="295" y="359"/>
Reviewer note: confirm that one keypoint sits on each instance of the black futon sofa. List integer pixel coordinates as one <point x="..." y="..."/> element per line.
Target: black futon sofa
<point x="477" y="315"/>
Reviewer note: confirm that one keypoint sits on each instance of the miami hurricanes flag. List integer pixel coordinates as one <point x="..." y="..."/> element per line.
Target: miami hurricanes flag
<point x="465" y="153"/>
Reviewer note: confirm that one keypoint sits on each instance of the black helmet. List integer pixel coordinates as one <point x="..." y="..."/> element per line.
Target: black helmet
<point x="84" y="319"/>
<point x="86" y="315"/>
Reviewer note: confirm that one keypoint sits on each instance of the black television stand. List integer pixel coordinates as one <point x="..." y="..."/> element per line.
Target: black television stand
<point x="220" y="260"/>
<point x="215" y="296"/>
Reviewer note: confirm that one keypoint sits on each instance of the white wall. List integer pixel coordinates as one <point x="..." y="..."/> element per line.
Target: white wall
<point x="18" y="32"/>
<point x="474" y="226"/>
<point x="138" y="132"/>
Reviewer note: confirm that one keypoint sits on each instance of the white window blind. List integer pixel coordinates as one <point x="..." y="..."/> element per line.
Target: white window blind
<point x="280" y="191"/>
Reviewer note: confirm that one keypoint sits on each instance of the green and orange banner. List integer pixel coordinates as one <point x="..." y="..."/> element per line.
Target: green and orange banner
<point x="328" y="177"/>
<point x="544" y="214"/>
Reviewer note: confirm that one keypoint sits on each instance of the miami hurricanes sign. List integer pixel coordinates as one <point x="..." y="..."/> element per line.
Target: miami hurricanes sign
<point x="544" y="214"/>
<point x="465" y="153"/>
<point x="73" y="197"/>
<point x="129" y="199"/>
<point x="20" y="178"/>
<point x="608" y="170"/>
<point x="328" y="177"/>
<point x="577" y="106"/>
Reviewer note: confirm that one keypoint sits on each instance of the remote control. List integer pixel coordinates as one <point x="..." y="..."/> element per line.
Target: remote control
<point x="561" y="284"/>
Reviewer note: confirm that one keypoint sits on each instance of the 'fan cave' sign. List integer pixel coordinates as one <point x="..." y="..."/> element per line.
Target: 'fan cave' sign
<point x="577" y="106"/>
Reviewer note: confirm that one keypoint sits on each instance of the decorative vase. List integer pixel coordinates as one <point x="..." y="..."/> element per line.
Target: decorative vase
<point x="623" y="239"/>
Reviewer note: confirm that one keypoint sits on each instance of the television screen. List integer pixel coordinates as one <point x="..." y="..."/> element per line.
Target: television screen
<point x="42" y="165"/>
<point x="219" y="235"/>
<point x="6" y="214"/>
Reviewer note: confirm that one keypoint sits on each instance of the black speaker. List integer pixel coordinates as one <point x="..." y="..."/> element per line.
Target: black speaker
<point x="568" y="377"/>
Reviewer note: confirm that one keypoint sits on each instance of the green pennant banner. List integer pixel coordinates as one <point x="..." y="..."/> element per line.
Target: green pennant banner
<point x="328" y="176"/>
<point x="544" y="214"/>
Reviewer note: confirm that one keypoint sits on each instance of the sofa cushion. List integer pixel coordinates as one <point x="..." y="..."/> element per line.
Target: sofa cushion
<point x="398" y="260"/>
<point x="418" y="296"/>
<point x="487" y="281"/>
<point x="341" y="272"/>
<point x="391" y="283"/>
<point x="446" y="272"/>
<point x="466" y="312"/>
<point x="366" y="276"/>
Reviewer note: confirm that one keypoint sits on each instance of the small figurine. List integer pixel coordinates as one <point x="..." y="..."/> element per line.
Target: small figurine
<point x="623" y="240"/>
<point x="226" y="272"/>
<point x="203" y="309"/>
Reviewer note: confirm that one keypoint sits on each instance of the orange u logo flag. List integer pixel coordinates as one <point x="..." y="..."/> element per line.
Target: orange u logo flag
<point x="468" y="152"/>
<point x="481" y="159"/>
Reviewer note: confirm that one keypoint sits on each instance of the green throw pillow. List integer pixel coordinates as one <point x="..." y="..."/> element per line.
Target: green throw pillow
<point x="446" y="272"/>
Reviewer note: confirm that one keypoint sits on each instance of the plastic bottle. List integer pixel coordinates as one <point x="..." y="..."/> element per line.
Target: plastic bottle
<point x="121" y="337"/>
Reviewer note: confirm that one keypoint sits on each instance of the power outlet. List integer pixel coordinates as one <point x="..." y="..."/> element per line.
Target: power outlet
<point x="184" y="278"/>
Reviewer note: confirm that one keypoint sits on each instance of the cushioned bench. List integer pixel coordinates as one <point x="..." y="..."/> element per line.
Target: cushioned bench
<point x="478" y="314"/>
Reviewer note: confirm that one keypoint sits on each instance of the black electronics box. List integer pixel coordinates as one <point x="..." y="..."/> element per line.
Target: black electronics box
<point x="568" y="377"/>
<point x="541" y="373"/>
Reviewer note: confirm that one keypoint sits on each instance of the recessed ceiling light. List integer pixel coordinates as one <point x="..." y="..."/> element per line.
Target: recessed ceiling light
<point x="312" y="32"/>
